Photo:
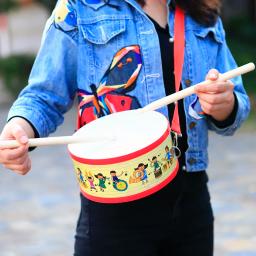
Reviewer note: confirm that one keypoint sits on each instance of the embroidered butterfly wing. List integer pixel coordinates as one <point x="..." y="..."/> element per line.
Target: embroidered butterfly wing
<point x="110" y="96"/>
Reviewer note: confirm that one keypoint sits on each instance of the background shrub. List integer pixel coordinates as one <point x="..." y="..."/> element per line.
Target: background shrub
<point x="14" y="71"/>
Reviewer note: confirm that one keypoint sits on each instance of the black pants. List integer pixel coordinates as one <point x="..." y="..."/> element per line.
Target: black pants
<point x="176" y="221"/>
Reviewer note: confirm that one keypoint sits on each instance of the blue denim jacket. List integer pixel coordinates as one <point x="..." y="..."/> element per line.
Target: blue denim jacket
<point x="77" y="51"/>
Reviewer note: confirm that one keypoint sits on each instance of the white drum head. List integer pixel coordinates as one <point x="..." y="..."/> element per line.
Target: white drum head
<point x="128" y="132"/>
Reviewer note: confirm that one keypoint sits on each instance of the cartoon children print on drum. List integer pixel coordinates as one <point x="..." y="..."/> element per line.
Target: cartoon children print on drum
<point x="150" y="169"/>
<point x="111" y="94"/>
<point x="81" y="178"/>
<point x="143" y="167"/>
<point x="102" y="181"/>
<point x="118" y="184"/>
<point x="90" y="179"/>
<point x="169" y="155"/>
<point x="157" y="168"/>
<point x="139" y="174"/>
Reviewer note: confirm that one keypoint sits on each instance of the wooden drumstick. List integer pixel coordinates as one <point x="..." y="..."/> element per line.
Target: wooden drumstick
<point x="191" y="90"/>
<point x="55" y="141"/>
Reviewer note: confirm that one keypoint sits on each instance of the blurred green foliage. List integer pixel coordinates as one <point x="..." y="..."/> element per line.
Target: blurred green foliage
<point x="6" y="5"/>
<point x="14" y="71"/>
<point x="49" y="4"/>
<point x="241" y="38"/>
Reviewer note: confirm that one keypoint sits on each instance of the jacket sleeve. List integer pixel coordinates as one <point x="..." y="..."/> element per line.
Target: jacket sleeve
<point x="52" y="83"/>
<point x="224" y="63"/>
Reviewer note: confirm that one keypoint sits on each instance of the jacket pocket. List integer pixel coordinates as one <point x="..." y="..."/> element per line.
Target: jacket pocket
<point x="101" y="32"/>
<point x="103" y="39"/>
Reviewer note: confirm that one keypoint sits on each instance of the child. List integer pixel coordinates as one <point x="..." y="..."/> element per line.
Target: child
<point x="102" y="181"/>
<point x="157" y="167"/>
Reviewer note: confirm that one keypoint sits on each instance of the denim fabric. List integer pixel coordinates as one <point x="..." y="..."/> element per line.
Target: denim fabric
<point x="76" y="54"/>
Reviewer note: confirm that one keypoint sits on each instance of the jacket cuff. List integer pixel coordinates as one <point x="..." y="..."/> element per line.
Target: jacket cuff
<point x="33" y="116"/>
<point x="36" y="133"/>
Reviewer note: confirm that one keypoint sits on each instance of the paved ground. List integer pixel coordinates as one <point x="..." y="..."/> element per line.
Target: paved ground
<point x="38" y="212"/>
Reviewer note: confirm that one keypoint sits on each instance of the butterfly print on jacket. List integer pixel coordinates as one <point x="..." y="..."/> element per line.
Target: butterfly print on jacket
<point x="111" y="94"/>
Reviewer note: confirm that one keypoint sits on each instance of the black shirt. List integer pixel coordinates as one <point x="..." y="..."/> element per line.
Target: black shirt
<point x="167" y="55"/>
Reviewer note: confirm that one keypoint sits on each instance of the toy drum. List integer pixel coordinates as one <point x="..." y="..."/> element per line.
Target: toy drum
<point x="135" y="163"/>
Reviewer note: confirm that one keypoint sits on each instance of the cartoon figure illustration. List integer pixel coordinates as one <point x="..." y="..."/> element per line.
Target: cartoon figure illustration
<point x="114" y="176"/>
<point x="110" y="95"/>
<point x="169" y="155"/>
<point x="102" y="180"/>
<point x="139" y="174"/>
<point x="81" y="177"/>
<point x="157" y="168"/>
<point x="90" y="179"/>
<point x="118" y="184"/>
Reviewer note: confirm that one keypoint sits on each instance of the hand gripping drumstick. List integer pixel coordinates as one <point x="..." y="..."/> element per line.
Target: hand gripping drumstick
<point x="191" y="90"/>
<point x="153" y="106"/>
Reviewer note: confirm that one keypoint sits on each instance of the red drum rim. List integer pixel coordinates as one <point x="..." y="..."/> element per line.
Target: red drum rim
<point x="123" y="158"/>
<point x="126" y="199"/>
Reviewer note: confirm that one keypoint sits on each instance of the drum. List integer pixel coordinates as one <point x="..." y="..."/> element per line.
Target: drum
<point x="131" y="164"/>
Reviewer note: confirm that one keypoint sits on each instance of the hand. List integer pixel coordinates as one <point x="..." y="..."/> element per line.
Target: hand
<point x="217" y="98"/>
<point x="17" y="159"/>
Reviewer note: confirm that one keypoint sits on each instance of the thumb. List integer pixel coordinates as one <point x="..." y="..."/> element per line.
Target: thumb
<point x="19" y="134"/>
<point x="212" y="75"/>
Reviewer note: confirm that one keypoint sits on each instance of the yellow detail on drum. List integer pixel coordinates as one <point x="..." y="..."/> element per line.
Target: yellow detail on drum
<point x="61" y="11"/>
<point x="136" y="177"/>
<point x="121" y="185"/>
<point x="133" y="165"/>
<point x="123" y="179"/>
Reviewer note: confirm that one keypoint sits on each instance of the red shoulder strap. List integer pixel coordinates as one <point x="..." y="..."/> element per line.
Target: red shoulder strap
<point x="179" y="48"/>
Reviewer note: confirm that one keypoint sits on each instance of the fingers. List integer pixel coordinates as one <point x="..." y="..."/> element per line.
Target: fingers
<point x="19" y="134"/>
<point x="21" y="169"/>
<point x="214" y="99"/>
<point x="7" y="155"/>
<point x="215" y="87"/>
<point x="210" y="109"/>
<point x="15" y="159"/>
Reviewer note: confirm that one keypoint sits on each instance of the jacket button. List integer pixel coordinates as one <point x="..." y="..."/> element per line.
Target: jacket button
<point x="192" y="125"/>
<point x="188" y="82"/>
<point x="171" y="39"/>
<point x="191" y="161"/>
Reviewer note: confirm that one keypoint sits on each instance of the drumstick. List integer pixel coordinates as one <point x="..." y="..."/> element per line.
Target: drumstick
<point x="191" y="90"/>
<point x="54" y="141"/>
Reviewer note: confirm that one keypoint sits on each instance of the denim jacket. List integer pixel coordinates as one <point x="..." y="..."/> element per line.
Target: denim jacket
<point x="80" y="53"/>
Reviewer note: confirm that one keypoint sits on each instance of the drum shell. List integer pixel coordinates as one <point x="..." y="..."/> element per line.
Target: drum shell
<point x="127" y="177"/>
